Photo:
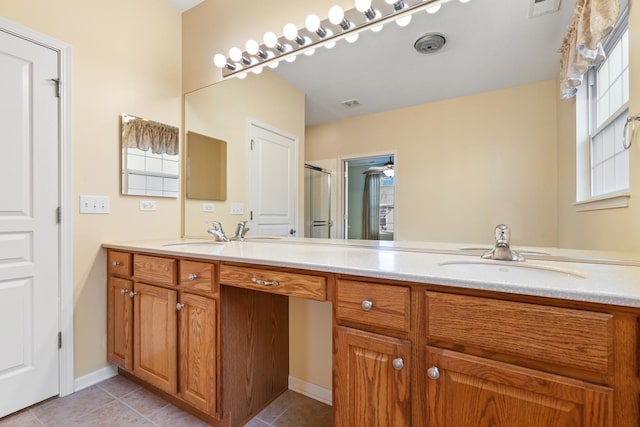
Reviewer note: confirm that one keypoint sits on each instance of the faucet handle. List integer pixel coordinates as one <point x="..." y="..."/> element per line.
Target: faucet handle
<point x="503" y="234"/>
<point x="216" y="225"/>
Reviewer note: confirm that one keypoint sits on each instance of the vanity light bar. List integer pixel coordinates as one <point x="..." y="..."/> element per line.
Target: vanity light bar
<point x="327" y="34"/>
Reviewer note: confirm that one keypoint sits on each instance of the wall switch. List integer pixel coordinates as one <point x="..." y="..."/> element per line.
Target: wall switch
<point x="94" y="204"/>
<point x="148" y="205"/>
<point x="237" y="208"/>
<point x="207" y="207"/>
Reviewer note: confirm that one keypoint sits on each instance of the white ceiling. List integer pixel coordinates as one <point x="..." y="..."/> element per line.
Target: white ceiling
<point x="182" y="5"/>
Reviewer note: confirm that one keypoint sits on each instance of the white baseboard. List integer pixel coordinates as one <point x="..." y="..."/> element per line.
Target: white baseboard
<point x="313" y="391"/>
<point x="95" y="377"/>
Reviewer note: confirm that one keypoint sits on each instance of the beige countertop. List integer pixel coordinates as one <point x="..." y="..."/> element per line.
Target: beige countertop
<point x="601" y="277"/>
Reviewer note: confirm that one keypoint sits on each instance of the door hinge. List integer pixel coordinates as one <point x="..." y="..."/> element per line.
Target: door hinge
<point x="252" y="142"/>
<point x="59" y="214"/>
<point x="58" y="83"/>
<point x="59" y="340"/>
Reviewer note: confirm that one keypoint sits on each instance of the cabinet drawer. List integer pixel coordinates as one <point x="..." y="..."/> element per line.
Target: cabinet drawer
<point x="119" y="263"/>
<point x="562" y="336"/>
<point x="285" y="283"/>
<point x="154" y="269"/>
<point x="198" y="276"/>
<point x="373" y="304"/>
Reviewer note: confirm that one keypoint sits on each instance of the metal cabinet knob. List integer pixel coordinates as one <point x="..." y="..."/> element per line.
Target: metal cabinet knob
<point x="132" y="294"/>
<point x="179" y="306"/>
<point x="366" y="305"/>
<point x="124" y="291"/>
<point x="192" y="276"/>
<point x="433" y="373"/>
<point x="116" y="263"/>
<point x="398" y="363"/>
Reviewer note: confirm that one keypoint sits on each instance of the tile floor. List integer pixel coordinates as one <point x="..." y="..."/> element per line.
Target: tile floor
<point x="120" y="402"/>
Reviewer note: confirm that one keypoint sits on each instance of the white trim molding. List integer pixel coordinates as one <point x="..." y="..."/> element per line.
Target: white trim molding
<point x="95" y="377"/>
<point x="313" y="391"/>
<point x="66" y="362"/>
<point x="609" y="201"/>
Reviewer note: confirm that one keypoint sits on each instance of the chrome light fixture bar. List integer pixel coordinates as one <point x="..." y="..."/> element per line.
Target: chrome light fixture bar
<point x="319" y="33"/>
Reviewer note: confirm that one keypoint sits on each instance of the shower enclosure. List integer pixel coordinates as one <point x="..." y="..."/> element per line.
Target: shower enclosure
<point x="317" y="207"/>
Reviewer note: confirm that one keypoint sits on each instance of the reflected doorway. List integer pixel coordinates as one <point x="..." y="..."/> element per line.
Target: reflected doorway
<point x="368" y="197"/>
<point x="317" y="201"/>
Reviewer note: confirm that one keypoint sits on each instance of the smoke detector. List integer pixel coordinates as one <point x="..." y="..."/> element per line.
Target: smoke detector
<point x="429" y="43"/>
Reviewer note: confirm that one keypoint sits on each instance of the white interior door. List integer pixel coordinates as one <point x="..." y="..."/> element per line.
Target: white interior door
<point x="29" y="229"/>
<point x="273" y="182"/>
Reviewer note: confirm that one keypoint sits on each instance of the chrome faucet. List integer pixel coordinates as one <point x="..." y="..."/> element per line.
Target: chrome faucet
<point x="502" y="251"/>
<point x="241" y="231"/>
<point x="217" y="231"/>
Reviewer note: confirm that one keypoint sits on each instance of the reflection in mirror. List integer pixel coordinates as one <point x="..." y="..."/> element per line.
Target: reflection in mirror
<point x="206" y="167"/>
<point x="150" y="158"/>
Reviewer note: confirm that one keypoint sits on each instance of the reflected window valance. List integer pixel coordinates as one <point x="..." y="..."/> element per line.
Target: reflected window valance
<point x="149" y="135"/>
<point x="593" y="21"/>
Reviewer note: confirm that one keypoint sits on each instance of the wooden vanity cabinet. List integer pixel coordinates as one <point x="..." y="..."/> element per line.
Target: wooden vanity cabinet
<point x="162" y="326"/>
<point x="372" y="355"/>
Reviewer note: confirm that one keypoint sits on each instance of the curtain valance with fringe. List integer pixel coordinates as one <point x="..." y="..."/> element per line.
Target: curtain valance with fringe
<point x="593" y="21"/>
<point x="149" y="135"/>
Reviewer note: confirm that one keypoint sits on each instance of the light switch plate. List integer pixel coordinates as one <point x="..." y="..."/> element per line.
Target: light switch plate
<point x="94" y="204"/>
<point x="237" y="208"/>
<point x="148" y="205"/>
<point x="207" y="207"/>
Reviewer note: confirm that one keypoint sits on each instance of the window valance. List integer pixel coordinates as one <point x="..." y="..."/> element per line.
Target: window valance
<point x="593" y="21"/>
<point x="149" y="135"/>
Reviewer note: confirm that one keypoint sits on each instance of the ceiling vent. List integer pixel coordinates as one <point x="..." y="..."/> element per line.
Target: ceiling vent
<point x="543" y="7"/>
<point x="429" y="43"/>
<point x="351" y="103"/>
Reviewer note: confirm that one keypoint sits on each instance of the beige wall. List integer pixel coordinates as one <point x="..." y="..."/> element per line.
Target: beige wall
<point x="223" y="111"/>
<point x="126" y="58"/>
<point x="611" y="229"/>
<point x="463" y="165"/>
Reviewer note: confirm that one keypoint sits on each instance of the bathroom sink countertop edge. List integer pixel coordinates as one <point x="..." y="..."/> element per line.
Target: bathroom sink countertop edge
<point x="597" y="282"/>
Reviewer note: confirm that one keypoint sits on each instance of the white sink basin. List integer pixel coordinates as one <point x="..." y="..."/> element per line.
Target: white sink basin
<point x="512" y="268"/>
<point x="248" y="238"/>
<point x="196" y="246"/>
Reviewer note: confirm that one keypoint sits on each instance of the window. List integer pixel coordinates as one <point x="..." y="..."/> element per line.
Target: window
<point x="607" y="174"/>
<point x="152" y="174"/>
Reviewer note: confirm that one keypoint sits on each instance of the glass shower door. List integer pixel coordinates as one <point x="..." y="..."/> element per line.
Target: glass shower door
<point x="317" y="202"/>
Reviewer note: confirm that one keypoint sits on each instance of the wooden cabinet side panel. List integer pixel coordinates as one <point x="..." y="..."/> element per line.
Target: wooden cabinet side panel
<point x="199" y="352"/>
<point x="368" y="390"/>
<point x="483" y="393"/>
<point x="119" y="323"/>
<point x="155" y="336"/>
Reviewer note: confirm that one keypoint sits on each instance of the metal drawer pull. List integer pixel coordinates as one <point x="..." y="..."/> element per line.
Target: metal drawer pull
<point x="179" y="306"/>
<point x="124" y="291"/>
<point x="116" y="263"/>
<point x="398" y="363"/>
<point x="366" y="305"/>
<point x="265" y="282"/>
<point x="433" y="373"/>
<point x="192" y="276"/>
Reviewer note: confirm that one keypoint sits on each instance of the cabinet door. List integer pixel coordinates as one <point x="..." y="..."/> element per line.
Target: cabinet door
<point x="155" y="336"/>
<point x="465" y="391"/>
<point x="371" y="380"/>
<point x="198" y="352"/>
<point x="120" y="323"/>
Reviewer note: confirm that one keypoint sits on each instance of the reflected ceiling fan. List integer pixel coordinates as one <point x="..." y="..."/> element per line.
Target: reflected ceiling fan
<point x="388" y="168"/>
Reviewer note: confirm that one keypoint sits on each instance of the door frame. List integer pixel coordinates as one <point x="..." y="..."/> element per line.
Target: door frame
<point x="251" y="197"/>
<point x="65" y="181"/>
<point x="342" y="192"/>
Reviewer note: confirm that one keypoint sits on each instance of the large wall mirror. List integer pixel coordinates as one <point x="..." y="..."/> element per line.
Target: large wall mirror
<point x="480" y="133"/>
<point x="206" y="167"/>
<point x="150" y="158"/>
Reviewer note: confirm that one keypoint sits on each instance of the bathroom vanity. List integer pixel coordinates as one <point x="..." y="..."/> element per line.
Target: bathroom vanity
<point x="420" y="337"/>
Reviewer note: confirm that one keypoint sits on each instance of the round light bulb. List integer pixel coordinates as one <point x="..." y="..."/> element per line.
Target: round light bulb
<point x="270" y="39"/>
<point x="352" y="38"/>
<point x="290" y="32"/>
<point x="404" y="21"/>
<point x="465" y="1"/>
<point x="273" y="65"/>
<point x="434" y="9"/>
<point x="390" y="1"/>
<point x="336" y="15"/>
<point x="220" y="60"/>
<point x="330" y="45"/>
<point x="312" y="23"/>
<point x="257" y="70"/>
<point x="377" y="28"/>
<point x="235" y="54"/>
<point x="252" y="47"/>
<point x="291" y="58"/>
<point x="242" y="76"/>
<point x="308" y="52"/>
<point x="363" y="5"/>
